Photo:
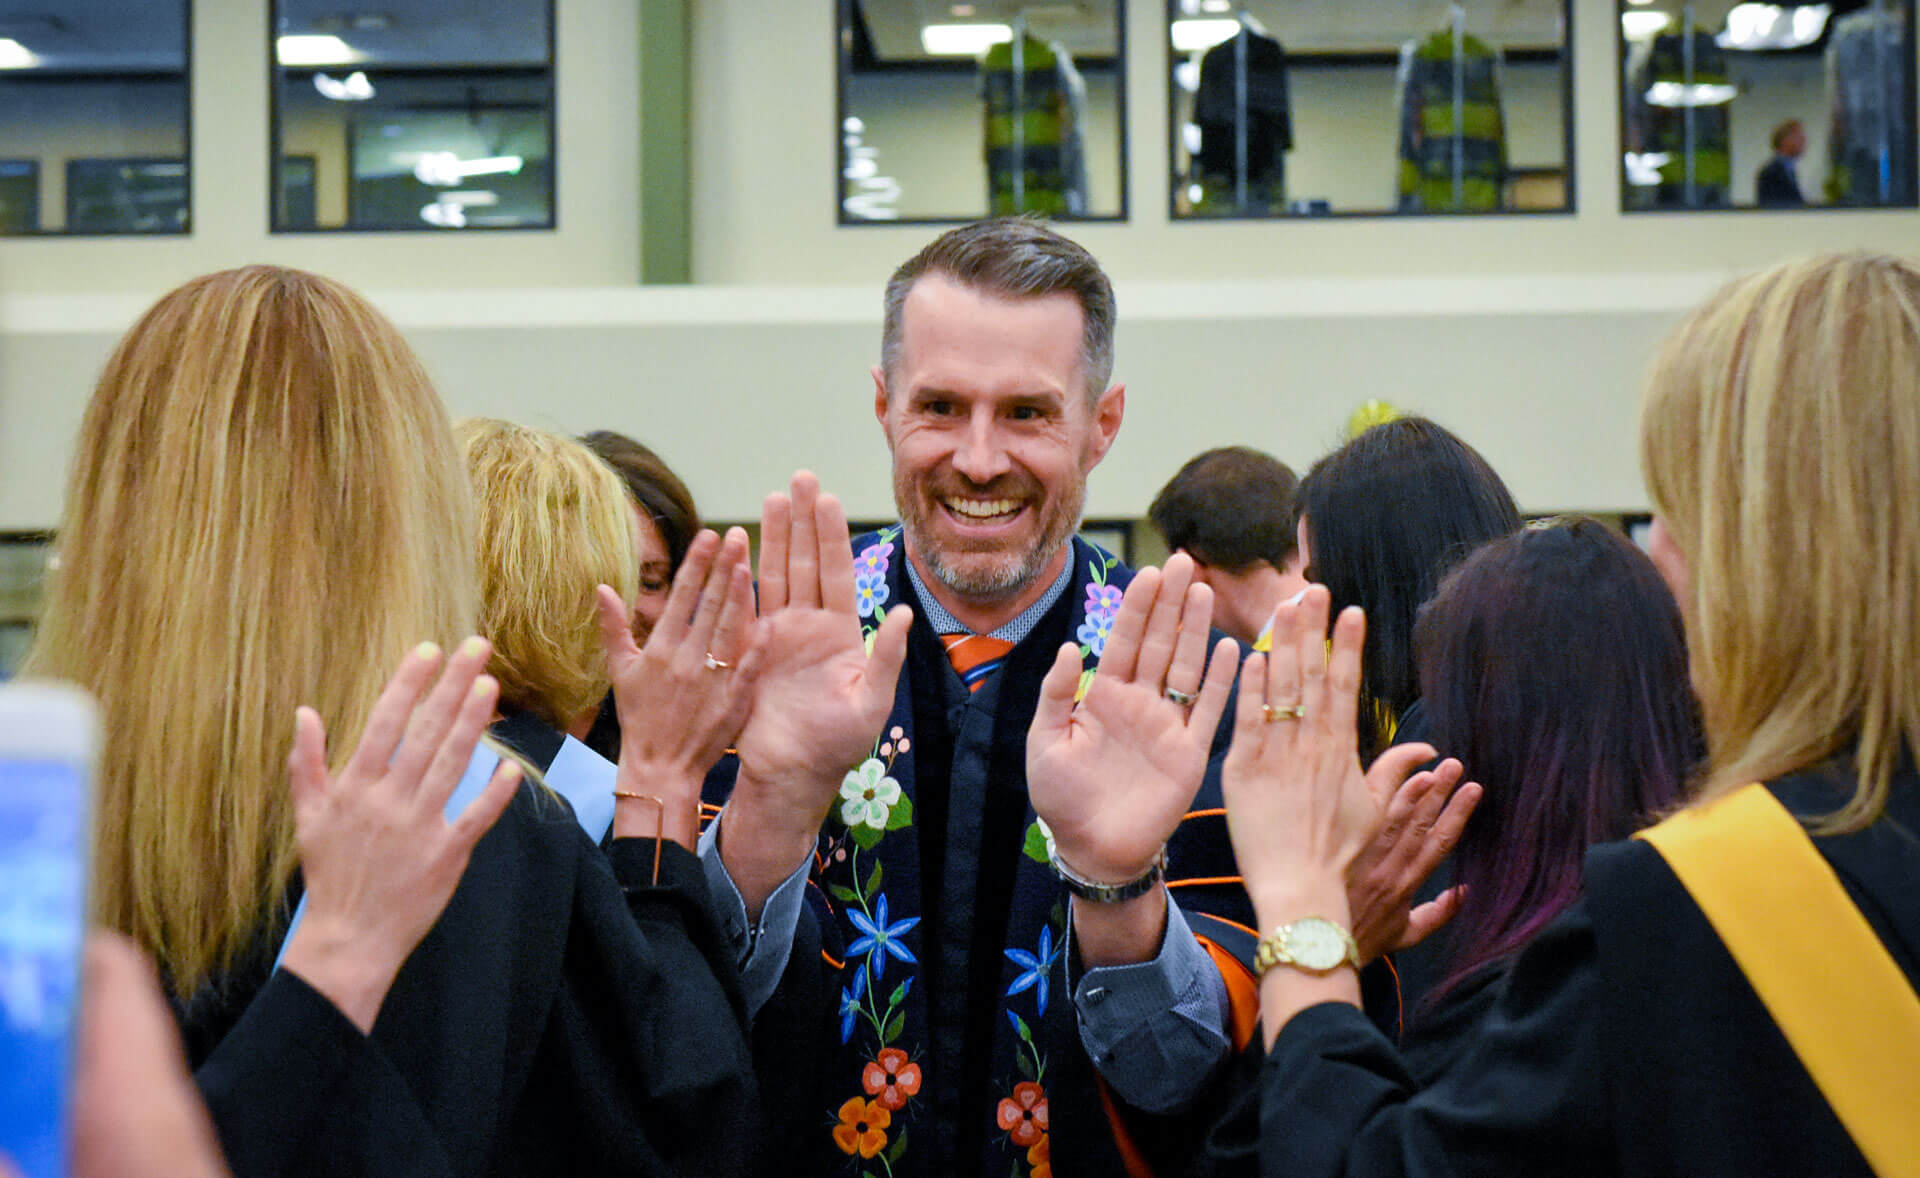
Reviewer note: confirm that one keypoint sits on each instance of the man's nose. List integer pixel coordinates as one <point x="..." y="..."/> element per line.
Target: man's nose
<point x="982" y="454"/>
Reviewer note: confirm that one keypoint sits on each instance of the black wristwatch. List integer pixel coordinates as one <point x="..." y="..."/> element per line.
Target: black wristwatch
<point x="1100" y="893"/>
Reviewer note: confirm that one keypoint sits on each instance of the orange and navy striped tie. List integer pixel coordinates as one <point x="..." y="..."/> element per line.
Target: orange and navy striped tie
<point x="975" y="656"/>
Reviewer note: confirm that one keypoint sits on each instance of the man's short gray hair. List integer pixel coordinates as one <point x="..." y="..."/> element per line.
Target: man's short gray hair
<point x="1017" y="258"/>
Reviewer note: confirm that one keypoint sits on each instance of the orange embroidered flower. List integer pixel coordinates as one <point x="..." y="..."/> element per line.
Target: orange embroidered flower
<point x="862" y="1128"/>
<point x="1040" y="1157"/>
<point x="892" y="1078"/>
<point x="1024" y="1114"/>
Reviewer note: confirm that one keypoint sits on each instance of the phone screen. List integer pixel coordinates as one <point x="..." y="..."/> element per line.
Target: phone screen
<point x="42" y="894"/>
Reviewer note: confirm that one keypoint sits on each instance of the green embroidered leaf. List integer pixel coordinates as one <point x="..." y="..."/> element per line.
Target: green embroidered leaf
<point x="895" y="1025"/>
<point x="902" y="815"/>
<point x="844" y="894"/>
<point x="1036" y="844"/>
<point x="1020" y="1027"/>
<point x="898" y="1149"/>
<point x="899" y="995"/>
<point x="873" y="882"/>
<point x="1026" y="1067"/>
<point x="866" y="836"/>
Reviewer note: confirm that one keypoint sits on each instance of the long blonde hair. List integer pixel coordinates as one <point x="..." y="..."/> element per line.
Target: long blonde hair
<point x="1781" y="446"/>
<point x="266" y="510"/>
<point x="553" y="522"/>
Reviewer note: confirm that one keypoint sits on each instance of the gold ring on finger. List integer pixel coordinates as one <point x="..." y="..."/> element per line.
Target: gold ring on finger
<point x="1272" y="712"/>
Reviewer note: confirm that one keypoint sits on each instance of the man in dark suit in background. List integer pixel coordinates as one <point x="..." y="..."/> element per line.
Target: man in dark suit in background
<point x="1778" y="186"/>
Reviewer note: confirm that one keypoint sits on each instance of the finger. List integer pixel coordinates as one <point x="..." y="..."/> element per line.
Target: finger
<point x="388" y="720"/>
<point x="715" y="589"/>
<point x="1249" y="725"/>
<point x="1129" y="625"/>
<point x="454" y="751"/>
<point x="307" y="763"/>
<point x="803" y="556"/>
<point x="1428" y="917"/>
<point x="1215" y="689"/>
<point x="1400" y="813"/>
<point x="1443" y="835"/>
<point x="1163" y="624"/>
<point x="481" y="813"/>
<point x="616" y="628"/>
<point x="1391" y="769"/>
<point x="1434" y="787"/>
<point x="1332" y="690"/>
<point x="1053" y="715"/>
<point x="836" y="556"/>
<point x="735" y="623"/>
<point x="684" y="599"/>
<point x="434" y="715"/>
<point x="1190" y="645"/>
<point x="776" y="534"/>
<point x="1281" y="669"/>
<point x="883" y="665"/>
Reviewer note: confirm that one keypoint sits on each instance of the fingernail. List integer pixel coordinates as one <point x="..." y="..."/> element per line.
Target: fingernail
<point x="427" y="650"/>
<point x="485" y="685"/>
<point x="474" y="647"/>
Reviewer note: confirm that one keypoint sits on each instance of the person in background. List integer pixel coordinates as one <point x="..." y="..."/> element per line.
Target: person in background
<point x="304" y="522"/>
<point x="1778" y="184"/>
<point x="668" y="521"/>
<point x="1231" y="510"/>
<point x="1733" y="992"/>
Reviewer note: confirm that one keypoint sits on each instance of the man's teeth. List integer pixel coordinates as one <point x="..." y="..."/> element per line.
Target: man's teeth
<point x="982" y="508"/>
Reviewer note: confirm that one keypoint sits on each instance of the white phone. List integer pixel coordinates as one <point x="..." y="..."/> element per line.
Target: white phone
<point x="49" y="741"/>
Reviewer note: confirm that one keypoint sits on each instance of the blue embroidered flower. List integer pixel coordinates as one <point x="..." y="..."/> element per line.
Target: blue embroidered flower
<point x="1038" y="966"/>
<point x="870" y="590"/>
<point x="850" y="1004"/>
<point x="1103" y="602"/>
<point x="878" y="938"/>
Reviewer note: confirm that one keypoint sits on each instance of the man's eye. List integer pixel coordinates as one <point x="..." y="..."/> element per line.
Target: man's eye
<point x="939" y="408"/>
<point x="1025" y="413"/>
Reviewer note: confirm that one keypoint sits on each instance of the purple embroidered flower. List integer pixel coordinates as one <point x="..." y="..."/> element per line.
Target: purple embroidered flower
<point x="879" y="939"/>
<point x="870" y="590"/>
<point x="1103" y="602"/>
<point x="1038" y="965"/>
<point x="873" y="559"/>
<point x="850" y="1004"/>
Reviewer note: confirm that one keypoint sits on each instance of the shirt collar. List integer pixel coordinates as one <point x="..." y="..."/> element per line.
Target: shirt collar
<point x="943" y="621"/>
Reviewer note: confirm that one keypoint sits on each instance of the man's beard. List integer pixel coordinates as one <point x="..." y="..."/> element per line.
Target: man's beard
<point x="986" y="576"/>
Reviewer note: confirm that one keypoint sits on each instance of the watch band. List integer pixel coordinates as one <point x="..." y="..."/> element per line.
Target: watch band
<point x="1099" y="893"/>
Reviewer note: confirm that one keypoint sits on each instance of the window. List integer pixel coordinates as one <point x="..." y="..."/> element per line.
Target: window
<point x="952" y="112"/>
<point x="427" y="115"/>
<point x="93" y="117"/>
<point x="1776" y="106"/>
<point x="1329" y="107"/>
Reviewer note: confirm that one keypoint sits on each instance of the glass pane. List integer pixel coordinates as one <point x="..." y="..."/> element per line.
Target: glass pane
<point x="950" y="112"/>
<point x="93" y="117"/>
<point x="1324" y="107"/>
<point x="1778" y="106"/>
<point x="426" y="116"/>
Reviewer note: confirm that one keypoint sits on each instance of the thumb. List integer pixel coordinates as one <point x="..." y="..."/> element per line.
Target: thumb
<point x="883" y="665"/>
<point x="1423" y="920"/>
<point x="1053" y="715"/>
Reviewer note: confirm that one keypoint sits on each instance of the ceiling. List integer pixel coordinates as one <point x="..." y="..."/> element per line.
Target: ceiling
<point x="121" y="35"/>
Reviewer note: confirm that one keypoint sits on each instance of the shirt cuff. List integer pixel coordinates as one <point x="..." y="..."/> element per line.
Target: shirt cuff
<point x="1157" y="1029"/>
<point x="761" y="949"/>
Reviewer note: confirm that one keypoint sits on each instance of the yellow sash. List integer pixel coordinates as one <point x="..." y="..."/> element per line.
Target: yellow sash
<point x="1838" y="996"/>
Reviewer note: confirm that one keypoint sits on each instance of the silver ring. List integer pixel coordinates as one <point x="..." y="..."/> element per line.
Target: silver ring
<point x="1185" y="699"/>
<point x="714" y="664"/>
<point x="1269" y="713"/>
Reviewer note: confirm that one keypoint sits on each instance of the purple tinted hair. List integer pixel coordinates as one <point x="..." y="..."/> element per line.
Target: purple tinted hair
<point x="1553" y="664"/>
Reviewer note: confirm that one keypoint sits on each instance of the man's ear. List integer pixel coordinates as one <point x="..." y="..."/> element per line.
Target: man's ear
<point x="880" y="400"/>
<point x="1107" y="413"/>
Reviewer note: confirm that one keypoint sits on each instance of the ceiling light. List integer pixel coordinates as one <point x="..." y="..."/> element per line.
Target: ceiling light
<point x="1774" y="26"/>
<point x="15" y="56"/>
<point x="315" y="49"/>
<point x="1192" y="36"/>
<point x="1643" y="24"/>
<point x="444" y="215"/>
<point x="1643" y="167"/>
<point x="1699" y="94"/>
<point x="969" y="40"/>
<point x="353" y="88"/>
<point x="962" y="10"/>
<point x="445" y="169"/>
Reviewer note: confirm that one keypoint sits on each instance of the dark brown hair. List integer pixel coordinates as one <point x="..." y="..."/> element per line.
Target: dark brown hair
<point x="654" y="486"/>
<point x="1230" y="508"/>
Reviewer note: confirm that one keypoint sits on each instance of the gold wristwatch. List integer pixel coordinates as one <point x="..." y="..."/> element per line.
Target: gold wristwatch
<point x="1312" y="944"/>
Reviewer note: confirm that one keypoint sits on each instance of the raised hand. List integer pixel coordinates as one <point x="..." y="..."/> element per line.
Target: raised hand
<point x="820" y="698"/>
<point x="1113" y="776"/>
<point x="379" y="857"/>
<point x="1422" y="824"/>
<point x="684" y="698"/>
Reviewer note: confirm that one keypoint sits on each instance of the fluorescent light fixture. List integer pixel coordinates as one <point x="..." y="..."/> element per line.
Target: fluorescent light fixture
<point x="444" y="215"/>
<point x="315" y="49"/>
<point x="353" y="88"/>
<point x="1774" y="26"/>
<point x="1193" y="36"/>
<point x="1190" y="137"/>
<point x="1216" y="5"/>
<point x="15" y="56"/>
<point x="1698" y="94"/>
<point x="1186" y="75"/>
<point x="1643" y="24"/>
<point x="444" y="169"/>
<point x="967" y="40"/>
<point x="1643" y="167"/>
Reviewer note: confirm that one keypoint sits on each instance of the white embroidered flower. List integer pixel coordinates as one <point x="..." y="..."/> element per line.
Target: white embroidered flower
<point x="1046" y="832"/>
<point x="869" y="795"/>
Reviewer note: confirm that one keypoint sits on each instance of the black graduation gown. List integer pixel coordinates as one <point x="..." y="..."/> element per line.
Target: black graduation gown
<point x="1625" y="1041"/>
<point x="566" y="1015"/>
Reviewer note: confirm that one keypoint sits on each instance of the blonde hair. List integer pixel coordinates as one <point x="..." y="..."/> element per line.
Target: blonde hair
<point x="553" y="523"/>
<point x="1781" y="445"/>
<point x="265" y="510"/>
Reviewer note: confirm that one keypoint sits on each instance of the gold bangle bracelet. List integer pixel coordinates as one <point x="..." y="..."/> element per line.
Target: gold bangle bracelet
<point x="660" y="821"/>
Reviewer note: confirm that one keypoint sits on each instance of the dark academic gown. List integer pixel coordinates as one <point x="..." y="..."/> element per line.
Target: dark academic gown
<point x="1625" y="1041"/>
<point x="1777" y="187"/>
<point x="566" y="1015"/>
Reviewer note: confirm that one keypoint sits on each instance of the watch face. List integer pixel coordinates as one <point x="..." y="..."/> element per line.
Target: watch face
<point x="1316" y="943"/>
